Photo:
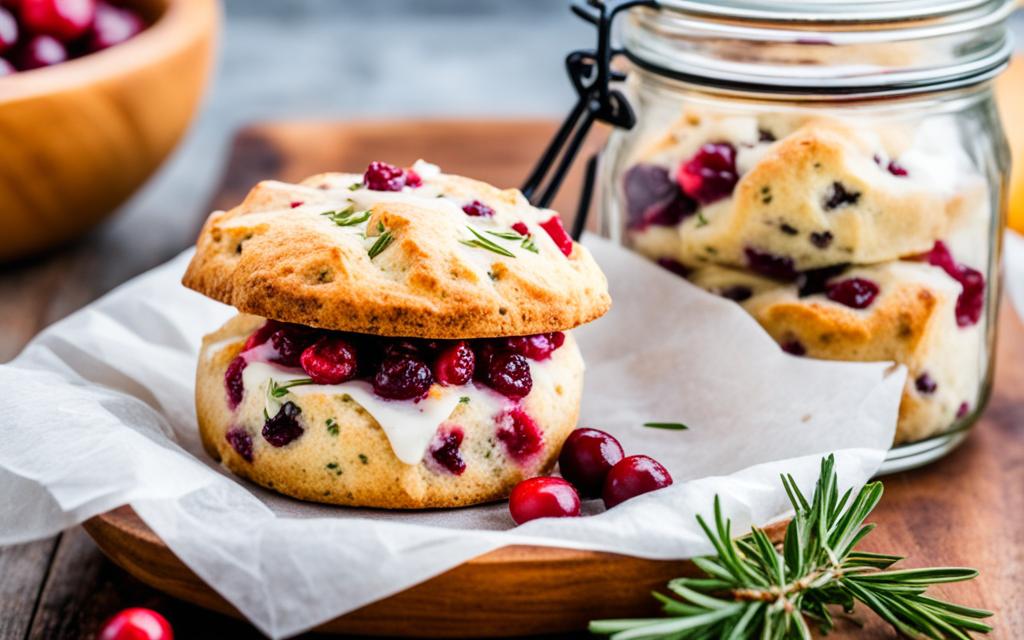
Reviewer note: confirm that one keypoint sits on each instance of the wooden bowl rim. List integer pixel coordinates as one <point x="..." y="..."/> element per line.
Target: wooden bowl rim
<point x="177" y="28"/>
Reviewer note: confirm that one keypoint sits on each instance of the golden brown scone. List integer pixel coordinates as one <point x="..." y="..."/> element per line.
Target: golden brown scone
<point x="912" y="321"/>
<point x="343" y="455"/>
<point x="276" y="255"/>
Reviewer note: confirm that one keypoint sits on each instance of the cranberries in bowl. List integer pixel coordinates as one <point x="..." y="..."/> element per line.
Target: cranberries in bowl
<point x="139" y="67"/>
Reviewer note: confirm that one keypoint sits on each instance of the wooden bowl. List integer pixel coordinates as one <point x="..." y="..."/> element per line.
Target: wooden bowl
<point x="77" y="139"/>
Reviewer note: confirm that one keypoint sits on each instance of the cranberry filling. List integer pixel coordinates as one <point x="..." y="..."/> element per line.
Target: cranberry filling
<point x="402" y="377"/>
<point x="770" y="265"/>
<point x="478" y="209"/>
<point x="508" y="373"/>
<point x="329" y="360"/>
<point x="241" y="442"/>
<point x="652" y="198"/>
<point x="536" y="347"/>
<point x="892" y="167"/>
<point x="971" y="301"/>
<point x="925" y="384"/>
<point x="821" y="240"/>
<point x="963" y="410"/>
<point x="519" y="433"/>
<point x="261" y="335"/>
<point x="445" y="451"/>
<point x="710" y="174"/>
<point x="290" y="340"/>
<point x="857" y="293"/>
<point x="233" y="381"/>
<point x="837" y="196"/>
<point x="283" y="427"/>
<point x="553" y="226"/>
<point x="455" y="365"/>
<point x="381" y="176"/>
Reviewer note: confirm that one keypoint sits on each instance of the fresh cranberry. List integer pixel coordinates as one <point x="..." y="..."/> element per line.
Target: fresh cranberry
<point x="290" y="340"/>
<point x="261" y="335"/>
<point x="821" y="240"/>
<point x="6" y="68"/>
<point x="631" y="477"/>
<point x="674" y="266"/>
<point x="8" y="30"/>
<point x="892" y="167"/>
<point x="971" y="301"/>
<point x="963" y="410"/>
<point x="329" y="360"/>
<point x="770" y="265"/>
<point x="925" y="384"/>
<point x="137" y="624"/>
<point x="519" y="433"/>
<point x="381" y="176"/>
<point x="837" y="196"/>
<point x="445" y="450"/>
<point x="710" y="174"/>
<point x="233" y="381"/>
<point x="241" y="442"/>
<point x="586" y="458"/>
<point x="543" y="498"/>
<point x="553" y="226"/>
<point x="794" y="347"/>
<point x="478" y="209"/>
<point x="857" y="293"/>
<point x="113" y="25"/>
<point x="402" y="377"/>
<point x="521" y="228"/>
<point x="536" y="347"/>
<point x="652" y="198"/>
<point x="283" y="427"/>
<point x="736" y="293"/>
<point x="455" y="364"/>
<point x="295" y="204"/>
<point x="62" y="19"/>
<point x="508" y="373"/>
<point x="40" y="51"/>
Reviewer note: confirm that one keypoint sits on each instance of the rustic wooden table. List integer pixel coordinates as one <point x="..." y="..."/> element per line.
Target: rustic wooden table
<point x="962" y="510"/>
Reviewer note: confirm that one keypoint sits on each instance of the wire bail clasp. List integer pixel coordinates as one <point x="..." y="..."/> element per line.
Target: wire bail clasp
<point x="591" y="74"/>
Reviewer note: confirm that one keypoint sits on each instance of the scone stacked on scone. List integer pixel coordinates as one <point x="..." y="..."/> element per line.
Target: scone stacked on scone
<point x="839" y="238"/>
<point x="401" y="341"/>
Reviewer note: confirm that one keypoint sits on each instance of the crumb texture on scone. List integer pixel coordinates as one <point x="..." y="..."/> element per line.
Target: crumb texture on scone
<point x="343" y="456"/>
<point x="331" y="253"/>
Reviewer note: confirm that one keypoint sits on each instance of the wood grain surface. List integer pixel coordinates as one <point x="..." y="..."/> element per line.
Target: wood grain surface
<point x="962" y="510"/>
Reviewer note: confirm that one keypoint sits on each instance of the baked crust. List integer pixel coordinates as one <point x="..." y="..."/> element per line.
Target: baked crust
<point x="357" y="467"/>
<point x="276" y="256"/>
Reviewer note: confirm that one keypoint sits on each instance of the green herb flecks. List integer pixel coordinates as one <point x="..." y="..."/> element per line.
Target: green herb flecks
<point x="384" y="240"/>
<point x="755" y="589"/>
<point x="355" y="186"/>
<point x="332" y="427"/>
<point x="506" y="235"/>
<point x="347" y="217"/>
<point x="701" y="220"/>
<point x="363" y="458"/>
<point x="671" y="426"/>
<point x="464" y="400"/>
<point x="483" y="242"/>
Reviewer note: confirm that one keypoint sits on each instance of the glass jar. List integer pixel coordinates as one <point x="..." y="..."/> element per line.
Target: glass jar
<point x="837" y="170"/>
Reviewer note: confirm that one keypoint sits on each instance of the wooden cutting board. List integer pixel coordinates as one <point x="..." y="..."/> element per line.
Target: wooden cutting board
<point x="963" y="510"/>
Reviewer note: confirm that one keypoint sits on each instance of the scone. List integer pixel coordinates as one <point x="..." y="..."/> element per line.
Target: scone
<point x="402" y="338"/>
<point x="908" y="312"/>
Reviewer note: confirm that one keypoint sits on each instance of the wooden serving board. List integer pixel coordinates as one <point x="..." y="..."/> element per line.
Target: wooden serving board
<point x="963" y="510"/>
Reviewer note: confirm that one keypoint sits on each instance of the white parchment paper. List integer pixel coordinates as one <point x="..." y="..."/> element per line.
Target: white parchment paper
<point x="99" y="413"/>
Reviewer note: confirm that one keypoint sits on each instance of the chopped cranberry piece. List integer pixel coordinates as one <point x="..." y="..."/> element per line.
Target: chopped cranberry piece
<point x="445" y="450"/>
<point x="480" y="210"/>
<point x="261" y="335"/>
<point x="329" y="360"/>
<point x="971" y="301"/>
<point x="837" y="196"/>
<point x="963" y="410"/>
<point x="710" y="174"/>
<point x="736" y="293"/>
<point x="652" y="198"/>
<point x="764" y="135"/>
<point x="558" y="233"/>
<point x="857" y="293"/>
<point x="794" y="347"/>
<point x="62" y="19"/>
<point x="767" y="264"/>
<point x="6" y="68"/>
<point x="925" y="384"/>
<point x="543" y="498"/>
<point x="41" y="51"/>
<point x="455" y="365"/>
<point x="290" y="340"/>
<point x="821" y="240"/>
<point x="283" y="427"/>
<point x="674" y="266"/>
<point x="631" y="477"/>
<point x="508" y="373"/>
<point x="586" y="458"/>
<point x="892" y="167"/>
<point x="137" y="624"/>
<point x="402" y="377"/>
<point x="815" y="281"/>
<point x="381" y="176"/>
<point x="233" y="381"/>
<point x="296" y="204"/>
<point x="241" y="442"/>
<point x="519" y="433"/>
<point x="521" y="228"/>
<point x="8" y="30"/>
<point x="113" y="25"/>
<point x="536" y="347"/>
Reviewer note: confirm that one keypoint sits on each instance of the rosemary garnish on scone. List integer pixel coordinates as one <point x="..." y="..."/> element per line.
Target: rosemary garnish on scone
<point x="383" y="241"/>
<point x="481" y="241"/>
<point x="753" y="589"/>
<point x="347" y="217"/>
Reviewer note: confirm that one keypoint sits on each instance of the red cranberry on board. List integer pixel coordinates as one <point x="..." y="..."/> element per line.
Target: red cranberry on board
<point x="329" y="360"/>
<point x="508" y="373"/>
<point x="455" y="365"/>
<point x="710" y="174"/>
<point x="633" y="476"/>
<point x="586" y="458"/>
<point x="856" y="293"/>
<point x="113" y="25"/>
<point x="137" y="624"/>
<point x="40" y="51"/>
<point x="553" y="226"/>
<point x="478" y="209"/>
<point x="233" y="381"/>
<point x="402" y="377"/>
<point x="65" y="20"/>
<point x="543" y="498"/>
<point x="8" y="30"/>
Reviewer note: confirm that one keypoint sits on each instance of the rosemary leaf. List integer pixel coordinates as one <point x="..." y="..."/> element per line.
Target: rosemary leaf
<point x="671" y="426"/>
<point x="383" y="242"/>
<point x="483" y="242"/>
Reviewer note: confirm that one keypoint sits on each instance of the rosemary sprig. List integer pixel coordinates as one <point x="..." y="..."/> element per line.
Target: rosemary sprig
<point x="277" y="390"/>
<point x="384" y="240"/>
<point x="483" y="242"/>
<point x="754" y="590"/>
<point x="347" y="217"/>
<point x="671" y="426"/>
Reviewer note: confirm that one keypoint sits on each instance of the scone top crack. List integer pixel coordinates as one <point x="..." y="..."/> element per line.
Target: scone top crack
<point x="398" y="252"/>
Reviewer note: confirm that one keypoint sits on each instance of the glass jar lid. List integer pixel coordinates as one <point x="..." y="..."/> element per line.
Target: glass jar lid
<point x="819" y="48"/>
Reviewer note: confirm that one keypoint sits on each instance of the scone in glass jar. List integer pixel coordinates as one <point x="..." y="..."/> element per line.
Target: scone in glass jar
<point x="837" y="170"/>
